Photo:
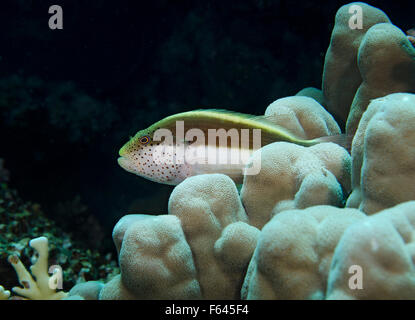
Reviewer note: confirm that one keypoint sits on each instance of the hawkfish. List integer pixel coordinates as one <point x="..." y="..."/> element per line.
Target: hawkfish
<point x="202" y="142"/>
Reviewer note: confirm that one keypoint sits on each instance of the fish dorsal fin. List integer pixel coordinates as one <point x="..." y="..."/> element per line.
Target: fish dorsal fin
<point x="269" y="121"/>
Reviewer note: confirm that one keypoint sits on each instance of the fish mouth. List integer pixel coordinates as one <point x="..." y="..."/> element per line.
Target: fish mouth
<point x="126" y="164"/>
<point x="122" y="152"/>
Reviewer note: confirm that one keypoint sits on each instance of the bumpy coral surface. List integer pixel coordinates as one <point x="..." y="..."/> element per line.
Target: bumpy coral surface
<point x="303" y="116"/>
<point x="382" y="247"/>
<point x="383" y="154"/>
<point x="200" y="250"/>
<point x="156" y="261"/>
<point x="294" y="252"/>
<point x="341" y="75"/>
<point x="296" y="177"/>
<point x="386" y="61"/>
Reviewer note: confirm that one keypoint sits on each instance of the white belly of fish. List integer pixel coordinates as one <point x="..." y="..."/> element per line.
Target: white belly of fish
<point x="191" y="160"/>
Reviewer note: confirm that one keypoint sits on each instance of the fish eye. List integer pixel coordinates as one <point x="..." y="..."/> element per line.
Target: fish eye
<point x="145" y="140"/>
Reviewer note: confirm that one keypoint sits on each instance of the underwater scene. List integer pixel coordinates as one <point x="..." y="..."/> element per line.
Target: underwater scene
<point x="207" y="150"/>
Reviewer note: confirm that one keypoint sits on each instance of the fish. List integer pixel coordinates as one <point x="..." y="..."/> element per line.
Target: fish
<point x="202" y="142"/>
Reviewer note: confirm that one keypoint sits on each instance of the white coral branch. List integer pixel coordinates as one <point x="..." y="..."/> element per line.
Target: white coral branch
<point x="4" y="294"/>
<point x="39" y="288"/>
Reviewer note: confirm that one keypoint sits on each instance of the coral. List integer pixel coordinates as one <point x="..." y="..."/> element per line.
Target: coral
<point x="383" y="151"/>
<point x="4" y="294"/>
<point x="206" y="205"/>
<point x="200" y="250"/>
<point x="85" y="291"/>
<point x="44" y="287"/>
<point x="341" y="76"/>
<point x="386" y="61"/>
<point x="21" y="221"/>
<point x="115" y="290"/>
<point x="313" y="93"/>
<point x="303" y="116"/>
<point x="295" y="177"/>
<point x="294" y="252"/>
<point x="382" y="246"/>
<point x="411" y="36"/>
<point x="156" y="261"/>
<point x="122" y="226"/>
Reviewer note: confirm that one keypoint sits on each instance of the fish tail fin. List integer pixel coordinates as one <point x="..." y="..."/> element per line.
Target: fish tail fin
<point x="343" y="140"/>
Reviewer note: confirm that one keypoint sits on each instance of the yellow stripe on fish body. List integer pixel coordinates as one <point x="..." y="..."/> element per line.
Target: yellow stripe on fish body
<point x="217" y="119"/>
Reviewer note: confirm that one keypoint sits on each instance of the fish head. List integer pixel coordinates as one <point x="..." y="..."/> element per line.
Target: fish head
<point x="150" y="159"/>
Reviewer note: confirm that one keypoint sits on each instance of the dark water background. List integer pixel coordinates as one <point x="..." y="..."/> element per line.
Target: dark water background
<point x="69" y="99"/>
